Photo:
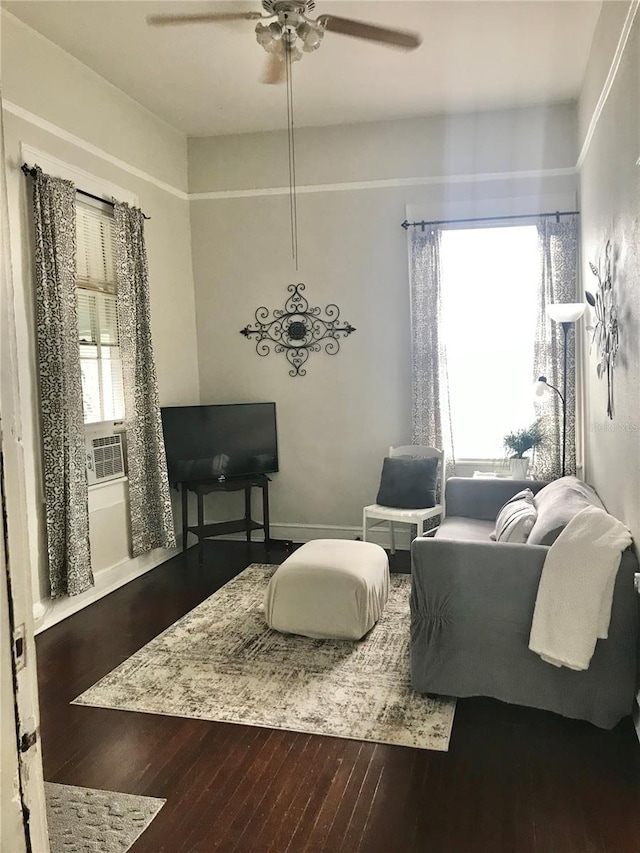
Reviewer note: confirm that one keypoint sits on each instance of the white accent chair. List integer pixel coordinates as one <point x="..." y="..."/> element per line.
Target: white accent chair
<point x="377" y="514"/>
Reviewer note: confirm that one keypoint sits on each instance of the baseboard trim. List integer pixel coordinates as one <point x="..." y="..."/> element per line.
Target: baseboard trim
<point x="49" y="612"/>
<point x="308" y="532"/>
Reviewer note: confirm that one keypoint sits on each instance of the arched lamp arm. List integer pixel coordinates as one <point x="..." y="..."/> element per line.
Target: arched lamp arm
<point x="553" y="387"/>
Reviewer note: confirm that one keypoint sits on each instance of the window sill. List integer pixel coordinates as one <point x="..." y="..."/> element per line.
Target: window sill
<point x="491" y="467"/>
<point x="497" y="465"/>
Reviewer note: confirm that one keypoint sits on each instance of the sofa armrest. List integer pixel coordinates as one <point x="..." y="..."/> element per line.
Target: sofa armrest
<point x="475" y="580"/>
<point x="472" y="605"/>
<point x="483" y="497"/>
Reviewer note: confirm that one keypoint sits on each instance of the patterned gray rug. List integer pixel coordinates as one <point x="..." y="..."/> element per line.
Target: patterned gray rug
<point x="222" y="662"/>
<point x="83" y="820"/>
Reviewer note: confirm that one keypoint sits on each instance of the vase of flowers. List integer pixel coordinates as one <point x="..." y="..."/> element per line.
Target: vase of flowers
<point x="520" y="442"/>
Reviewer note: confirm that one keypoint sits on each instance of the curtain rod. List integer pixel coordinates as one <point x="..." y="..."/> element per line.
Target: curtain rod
<point x="28" y="170"/>
<point x="422" y="224"/>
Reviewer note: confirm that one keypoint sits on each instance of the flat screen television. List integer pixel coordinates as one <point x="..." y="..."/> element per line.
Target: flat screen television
<point x="220" y="441"/>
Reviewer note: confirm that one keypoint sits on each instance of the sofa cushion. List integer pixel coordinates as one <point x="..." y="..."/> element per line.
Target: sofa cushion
<point x="480" y="497"/>
<point x="516" y="518"/>
<point x="557" y="504"/>
<point x="457" y="527"/>
<point x="408" y="483"/>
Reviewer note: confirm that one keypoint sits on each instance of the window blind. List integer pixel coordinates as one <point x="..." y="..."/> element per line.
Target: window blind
<point x="95" y="257"/>
<point x="97" y="305"/>
<point x="97" y="318"/>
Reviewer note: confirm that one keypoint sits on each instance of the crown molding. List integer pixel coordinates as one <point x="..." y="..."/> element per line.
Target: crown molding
<point x="609" y="81"/>
<point x="52" y="45"/>
<point x="64" y="135"/>
<point x="390" y="183"/>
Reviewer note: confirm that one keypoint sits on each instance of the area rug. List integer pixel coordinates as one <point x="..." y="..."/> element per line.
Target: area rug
<point x="221" y="662"/>
<point x="83" y="820"/>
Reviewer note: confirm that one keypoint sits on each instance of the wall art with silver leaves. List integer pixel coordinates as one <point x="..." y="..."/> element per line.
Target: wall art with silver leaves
<point x="605" y="331"/>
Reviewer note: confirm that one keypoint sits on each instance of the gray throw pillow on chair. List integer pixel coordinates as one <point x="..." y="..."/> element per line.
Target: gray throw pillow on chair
<point x="408" y="483"/>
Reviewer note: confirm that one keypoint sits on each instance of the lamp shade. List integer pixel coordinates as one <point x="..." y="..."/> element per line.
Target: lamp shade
<point x="541" y="391"/>
<point x="566" y="312"/>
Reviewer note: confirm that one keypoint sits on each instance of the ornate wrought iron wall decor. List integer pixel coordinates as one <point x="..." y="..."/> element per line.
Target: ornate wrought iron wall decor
<point x="605" y="331"/>
<point x="297" y="330"/>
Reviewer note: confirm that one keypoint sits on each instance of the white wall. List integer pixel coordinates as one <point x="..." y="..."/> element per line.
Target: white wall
<point x="57" y="105"/>
<point x="336" y="423"/>
<point x="358" y="182"/>
<point x="43" y="78"/>
<point x="610" y="193"/>
<point x="452" y="145"/>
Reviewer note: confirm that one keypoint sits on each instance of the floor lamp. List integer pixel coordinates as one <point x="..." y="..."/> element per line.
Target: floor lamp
<point x="565" y="313"/>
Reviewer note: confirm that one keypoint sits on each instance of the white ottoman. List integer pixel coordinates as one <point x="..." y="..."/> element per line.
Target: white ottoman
<point x="329" y="589"/>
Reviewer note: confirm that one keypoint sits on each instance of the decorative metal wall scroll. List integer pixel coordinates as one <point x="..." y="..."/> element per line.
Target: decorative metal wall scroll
<point x="297" y="330"/>
<point x="605" y="331"/>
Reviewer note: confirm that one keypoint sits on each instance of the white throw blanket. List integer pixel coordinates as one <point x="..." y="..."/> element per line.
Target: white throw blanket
<point x="573" y="605"/>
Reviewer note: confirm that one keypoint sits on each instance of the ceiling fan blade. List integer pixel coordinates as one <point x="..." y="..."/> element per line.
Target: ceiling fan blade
<point x="274" y="70"/>
<point x="370" y="32"/>
<point x="211" y="18"/>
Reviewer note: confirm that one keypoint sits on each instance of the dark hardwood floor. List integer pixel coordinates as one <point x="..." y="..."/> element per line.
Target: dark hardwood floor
<point x="514" y="780"/>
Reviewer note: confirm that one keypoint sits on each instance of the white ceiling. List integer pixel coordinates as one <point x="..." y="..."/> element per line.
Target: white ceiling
<point x="204" y="79"/>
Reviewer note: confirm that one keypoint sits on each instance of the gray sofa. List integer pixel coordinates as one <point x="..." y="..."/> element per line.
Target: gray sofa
<point x="472" y="602"/>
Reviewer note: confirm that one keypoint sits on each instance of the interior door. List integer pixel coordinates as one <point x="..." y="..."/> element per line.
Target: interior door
<point x="22" y="801"/>
<point x="12" y="830"/>
<point x="23" y="824"/>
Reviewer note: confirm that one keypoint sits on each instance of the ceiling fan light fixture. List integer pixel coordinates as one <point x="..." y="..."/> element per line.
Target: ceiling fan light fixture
<point x="311" y="39"/>
<point x="295" y="53"/>
<point x="291" y="31"/>
<point x="268" y="34"/>
<point x="289" y="36"/>
<point x="281" y="49"/>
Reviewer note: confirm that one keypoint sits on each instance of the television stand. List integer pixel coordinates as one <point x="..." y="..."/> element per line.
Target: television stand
<point x="241" y="525"/>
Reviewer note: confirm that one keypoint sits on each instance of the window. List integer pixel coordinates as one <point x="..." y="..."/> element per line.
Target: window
<point x="490" y="280"/>
<point x="96" y="288"/>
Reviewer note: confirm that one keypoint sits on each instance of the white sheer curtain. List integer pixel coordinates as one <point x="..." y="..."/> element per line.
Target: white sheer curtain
<point x="558" y="259"/>
<point x="431" y="416"/>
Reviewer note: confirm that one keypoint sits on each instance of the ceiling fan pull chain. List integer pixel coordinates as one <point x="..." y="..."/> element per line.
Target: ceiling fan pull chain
<point x="293" y="207"/>
<point x="289" y="33"/>
<point x="287" y="66"/>
<point x="293" y="167"/>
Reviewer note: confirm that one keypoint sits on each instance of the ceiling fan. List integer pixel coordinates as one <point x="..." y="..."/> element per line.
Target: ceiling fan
<point x="286" y="31"/>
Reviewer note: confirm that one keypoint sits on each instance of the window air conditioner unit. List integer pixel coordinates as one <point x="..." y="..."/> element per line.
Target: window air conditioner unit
<point x="105" y="456"/>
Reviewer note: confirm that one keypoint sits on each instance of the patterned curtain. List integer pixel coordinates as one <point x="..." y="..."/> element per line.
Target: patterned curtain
<point x="431" y="416"/>
<point x="558" y="251"/>
<point x="149" y="499"/>
<point x="63" y="440"/>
